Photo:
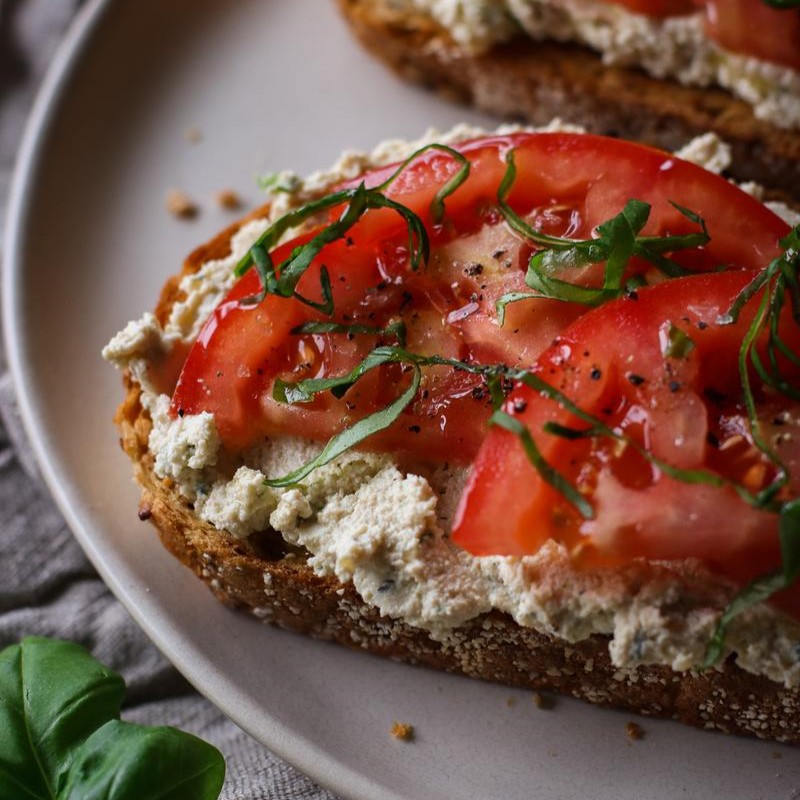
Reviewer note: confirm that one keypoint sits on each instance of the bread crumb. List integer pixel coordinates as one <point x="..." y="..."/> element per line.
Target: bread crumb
<point x="229" y="200"/>
<point x="776" y="754"/>
<point x="194" y="135"/>
<point x="403" y="731"/>
<point x="511" y="701"/>
<point x="634" y="731"/>
<point x="542" y="701"/>
<point x="180" y="205"/>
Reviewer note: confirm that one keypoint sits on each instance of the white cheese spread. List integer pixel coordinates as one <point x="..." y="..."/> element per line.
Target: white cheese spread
<point x="364" y="520"/>
<point x="675" y="47"/>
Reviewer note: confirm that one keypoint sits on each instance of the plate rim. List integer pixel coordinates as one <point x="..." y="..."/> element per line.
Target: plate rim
<point x="305" y="756"/>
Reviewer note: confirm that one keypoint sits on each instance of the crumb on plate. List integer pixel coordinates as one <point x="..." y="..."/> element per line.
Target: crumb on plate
<point x="403" y="731"/>
<point x="634" y="731"/>
<point x="194" y="135"/>
<point x="228" y="199"/>
<point x="180" y="205"/>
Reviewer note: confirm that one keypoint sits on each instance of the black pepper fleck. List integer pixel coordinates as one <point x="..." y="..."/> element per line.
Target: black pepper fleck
<point x="596" y="374"/>
<point x="473" y="269"/>
<point x="636" y="380"/>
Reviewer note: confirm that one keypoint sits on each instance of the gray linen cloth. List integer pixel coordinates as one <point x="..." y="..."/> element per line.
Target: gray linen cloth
<point x="47" y="586"/>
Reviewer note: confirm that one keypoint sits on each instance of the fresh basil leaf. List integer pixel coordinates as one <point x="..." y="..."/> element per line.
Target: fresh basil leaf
<point x="789" y="533"/>
<point x="548" y="473"/>
<point x="355" y="434"/>
<point x="754" y="593"/>
<point x="130" y="762"/>
<point x="396" y="329"/>
<point x="437" y="207"/>
<point x="53" y="695"/>
<point x="763" y="587"/>
<point x="512" y="297"/>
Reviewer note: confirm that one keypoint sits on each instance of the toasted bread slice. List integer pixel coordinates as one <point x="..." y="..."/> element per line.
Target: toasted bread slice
<point x="273" y="581"/>
<point x="536" y="81"/>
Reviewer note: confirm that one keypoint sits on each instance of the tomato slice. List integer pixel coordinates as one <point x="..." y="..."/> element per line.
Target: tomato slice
<point x="686" y="409"/>
<point x="566" y="185"/>
<point x="753" y="28"/>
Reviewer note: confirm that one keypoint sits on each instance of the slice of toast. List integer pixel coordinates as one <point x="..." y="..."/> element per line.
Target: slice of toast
<point x="536" y="81"/>
<point x="273" y="581"/>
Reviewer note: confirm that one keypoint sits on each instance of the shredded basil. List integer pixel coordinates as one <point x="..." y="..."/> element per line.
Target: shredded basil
<point x="776" y="281"/>
<point x="512" y="297"/>
<point x="763" y="587"/>
<point x="283" y="279"/>
<point x="618" y="240"/>
<point x="395" y="329"/>
<point x="547" y="472"/>
<point x="355" y="434"/>
<point x="305" y="391"/>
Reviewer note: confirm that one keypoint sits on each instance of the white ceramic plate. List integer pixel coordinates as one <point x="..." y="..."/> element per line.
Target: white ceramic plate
<point x="270" y="84"/>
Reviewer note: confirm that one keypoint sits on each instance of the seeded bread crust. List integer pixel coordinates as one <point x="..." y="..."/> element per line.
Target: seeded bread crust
<point x="271" y="580"/>
<point x="536" y="81"/>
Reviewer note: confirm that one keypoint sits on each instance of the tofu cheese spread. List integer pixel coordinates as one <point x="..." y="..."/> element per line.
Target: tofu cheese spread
<point x="364" y="519"/>
<point x="676" y="47"/>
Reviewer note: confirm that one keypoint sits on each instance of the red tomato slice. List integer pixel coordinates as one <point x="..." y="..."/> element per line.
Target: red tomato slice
<point x="755" y="29"/>
<point x="567" y="184"/>
<point x="687" y="411"/>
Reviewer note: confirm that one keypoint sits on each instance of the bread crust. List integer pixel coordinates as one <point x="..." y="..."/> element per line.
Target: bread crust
<point x="271" y="580"/>
<point x="537" y="81"/>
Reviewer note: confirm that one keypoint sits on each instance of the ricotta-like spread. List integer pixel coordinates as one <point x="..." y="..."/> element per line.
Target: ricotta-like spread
<point x="675" y="47"/>
<point x="365" y="520"/>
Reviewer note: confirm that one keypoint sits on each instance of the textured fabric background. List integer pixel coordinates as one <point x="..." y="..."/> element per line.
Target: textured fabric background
<point x="47" y="587"/>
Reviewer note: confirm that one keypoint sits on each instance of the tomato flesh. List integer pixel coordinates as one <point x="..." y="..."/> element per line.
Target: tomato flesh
<point x="686" y="411"/>
<point x="755" y="29"/>
<point x="567" y="184"/>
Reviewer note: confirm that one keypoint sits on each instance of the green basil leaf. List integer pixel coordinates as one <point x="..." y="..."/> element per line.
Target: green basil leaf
<point x="130" y="762"/>
<point x="511" y="297"/>
<point x="396" y="329"/>
<point x="549" y="473"/>
<point x="763" y="587"/>
<point x="755" y="592"/>
<point x="53" y="695"/>
<point x="437" y="207"/>
<point x="789" y="533"/>
<point x="356" y="433"/>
